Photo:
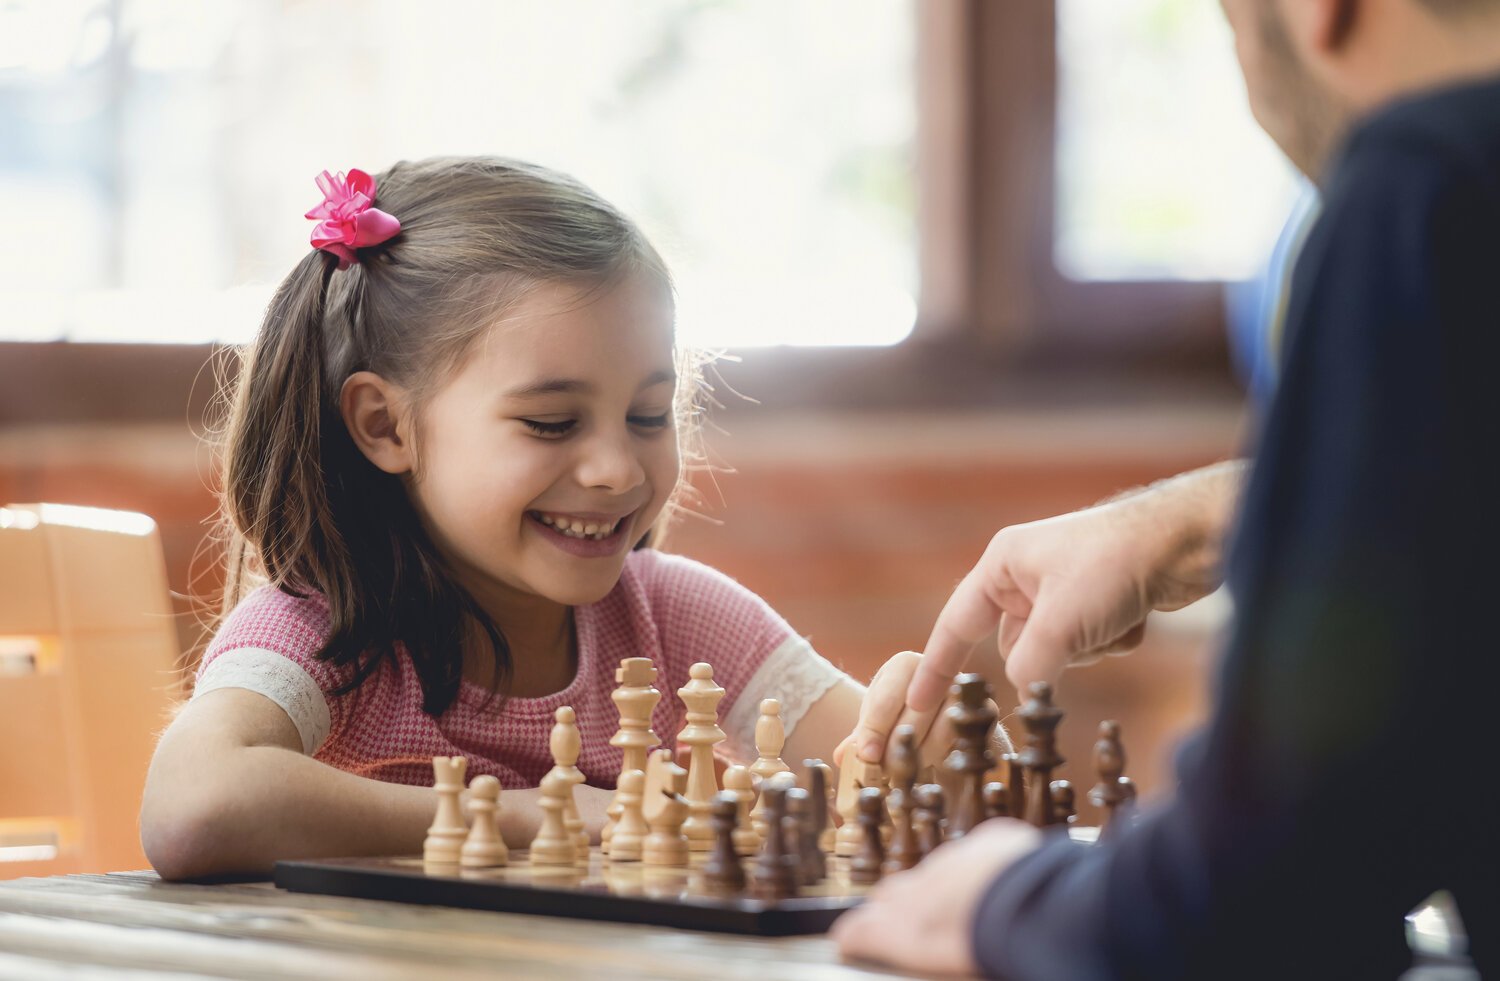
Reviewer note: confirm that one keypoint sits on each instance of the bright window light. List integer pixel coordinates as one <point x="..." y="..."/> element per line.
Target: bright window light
<point x="154" y="184"/>
<point x="1162" y="171"/>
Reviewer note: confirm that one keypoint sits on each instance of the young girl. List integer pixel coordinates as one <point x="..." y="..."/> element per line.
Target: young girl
<point x="448" y="450"/>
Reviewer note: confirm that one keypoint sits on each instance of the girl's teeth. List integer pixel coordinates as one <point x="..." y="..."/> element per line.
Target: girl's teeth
<point x="578" y="529"/>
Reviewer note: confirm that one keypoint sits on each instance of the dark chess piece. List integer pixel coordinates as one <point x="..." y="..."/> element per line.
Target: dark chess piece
<point x="802" y="837"/>
<point x="722" y="870"/>
<point x="996" y="800"/>
<point x="927" y="817"/>
<point x="1015" y="785"/>
<point x="1064" y="808"/>
<point x="773" y="877"/>
<point x="901" y="766"/>
<point x="1040" y="757"/>
<point x="817" y="796"/>
<point x="865" y="866"/>
<point x="1112" y="791"/>
<point x="973" y="718"/>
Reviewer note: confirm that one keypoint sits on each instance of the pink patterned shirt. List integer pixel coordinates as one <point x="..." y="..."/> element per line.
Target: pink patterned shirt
<point x="665" y="607"/>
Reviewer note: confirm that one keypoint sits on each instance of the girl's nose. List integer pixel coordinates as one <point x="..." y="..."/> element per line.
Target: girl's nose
<point x="610" y="462"/>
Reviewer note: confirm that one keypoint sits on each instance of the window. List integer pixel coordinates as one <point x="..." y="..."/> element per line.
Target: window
<point x="163" y="151"/>
<point x="1161" y="170"/>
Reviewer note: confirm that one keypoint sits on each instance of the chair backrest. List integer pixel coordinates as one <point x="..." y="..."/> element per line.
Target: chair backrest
<point x="88" y="674"/>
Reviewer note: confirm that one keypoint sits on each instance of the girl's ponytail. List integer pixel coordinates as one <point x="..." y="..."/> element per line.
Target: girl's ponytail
<point x="274" y="494"/>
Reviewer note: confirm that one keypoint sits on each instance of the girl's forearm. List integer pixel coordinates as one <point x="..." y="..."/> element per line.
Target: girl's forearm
<point x="269" y="803"/>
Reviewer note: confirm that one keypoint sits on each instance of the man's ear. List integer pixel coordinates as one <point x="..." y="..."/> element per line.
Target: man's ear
<point x="377" y="414"/>
<point x="1324" y="25"/>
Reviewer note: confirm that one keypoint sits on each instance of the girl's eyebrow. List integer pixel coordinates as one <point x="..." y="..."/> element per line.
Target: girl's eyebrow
<point x="564" y="386"/>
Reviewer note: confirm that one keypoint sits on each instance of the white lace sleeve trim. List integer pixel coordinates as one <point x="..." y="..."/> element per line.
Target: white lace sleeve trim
<point x="278" y="678"/>
<point x="793" y="673"/>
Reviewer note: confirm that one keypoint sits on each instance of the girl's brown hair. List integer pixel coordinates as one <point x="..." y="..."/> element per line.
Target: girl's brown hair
<point x="304" y="509"/>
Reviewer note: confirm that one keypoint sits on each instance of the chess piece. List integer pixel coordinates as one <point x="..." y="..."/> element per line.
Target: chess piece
<point x="773" y="877"/>
<point x="1064" y="809"/>
<point x="701" y="695"/>
<point x="484" y="848"/>
<point x="565" y="745"/>
<point x="740" y="781"/>
<point x="554" y="844"/>
<point x="996" y="800"/>
<point x="901" y="767"/>
<point x="1040" y="757"/>
<point x="722" y="871"/>
<point x="445" y="838"/>
<point x="1015" y="785"/>
<point x="1109" y="762"/>
<point x="770" y="737"/>
<point x="865" y="866"/>
<point x="855" y="775"/>
<point x="802" y="837"/>
<point x="928" y="817"/>
<point x="820" y="776"/>
<point x="664" y="809"/>
<point x="973" y="718"/>
<point x="630" y="830"/>
<point x="636" y="699"/>
<point x="817" y="799"/>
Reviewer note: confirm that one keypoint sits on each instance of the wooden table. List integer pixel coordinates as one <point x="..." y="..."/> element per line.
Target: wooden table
<point x="129" y="923"/>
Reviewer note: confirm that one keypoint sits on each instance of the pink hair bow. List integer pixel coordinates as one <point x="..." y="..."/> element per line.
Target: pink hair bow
<point x="348" y="222"/>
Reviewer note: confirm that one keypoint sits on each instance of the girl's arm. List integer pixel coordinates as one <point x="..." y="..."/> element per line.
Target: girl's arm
<point x="831" y="718"/>
<point x="229" y="790"/>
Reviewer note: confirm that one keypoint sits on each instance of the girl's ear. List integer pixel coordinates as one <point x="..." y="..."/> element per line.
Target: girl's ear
<point x="377" y="415"/>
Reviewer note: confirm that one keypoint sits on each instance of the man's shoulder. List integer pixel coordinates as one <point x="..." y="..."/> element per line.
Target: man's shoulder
<point x="1451" y="134"/>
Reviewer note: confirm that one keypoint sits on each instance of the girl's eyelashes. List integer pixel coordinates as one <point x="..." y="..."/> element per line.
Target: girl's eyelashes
<point x="562" y="427"/>
<point x="550" y="428"/>
<point x="651" y="422"/>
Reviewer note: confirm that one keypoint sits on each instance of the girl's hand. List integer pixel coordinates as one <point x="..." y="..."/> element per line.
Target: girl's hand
<point x="885" y="709"/>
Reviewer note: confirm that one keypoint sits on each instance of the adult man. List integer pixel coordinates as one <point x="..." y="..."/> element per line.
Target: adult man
<point x="1344" y="775"/>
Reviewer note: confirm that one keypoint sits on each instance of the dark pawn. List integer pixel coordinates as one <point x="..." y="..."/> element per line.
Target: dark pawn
<point x="902" y="766"/>
<point x="817" y="794"/>
<point x="802" y="836"/>
<point x="928" y="817"/>
<point x="865" y="866"/>
<point x="722" y="871"/>
<point x="1112" y="790"/>
<point x="773" y="878"/>
<point x="1064" y="809"/>
<point x="1015" y="785"/>
<point x="973" y="718"/>
<point x="1040" y="757"/>
<point x="996" y="800"/>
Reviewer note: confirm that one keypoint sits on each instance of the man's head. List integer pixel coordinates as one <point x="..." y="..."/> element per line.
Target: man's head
<point x="1312" y="67"/>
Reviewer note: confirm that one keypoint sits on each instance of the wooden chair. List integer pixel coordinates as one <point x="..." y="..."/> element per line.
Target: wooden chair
<point x="88" y="675"/>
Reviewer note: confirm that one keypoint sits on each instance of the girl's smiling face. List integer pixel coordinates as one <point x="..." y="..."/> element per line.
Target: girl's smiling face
<point x="553" y="447"/>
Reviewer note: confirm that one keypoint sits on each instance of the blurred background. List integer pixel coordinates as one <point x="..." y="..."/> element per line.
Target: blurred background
<point x="966" y="263"/>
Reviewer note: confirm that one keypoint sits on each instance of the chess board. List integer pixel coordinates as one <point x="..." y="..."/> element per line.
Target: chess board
<point x="625" y="892"/>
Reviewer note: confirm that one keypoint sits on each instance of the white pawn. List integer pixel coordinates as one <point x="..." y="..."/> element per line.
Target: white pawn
<point x="445" y="838"/>
<point x="553" y="845"/>
<point x="484" y="848"/>
<point x="566" y="744"/>
<point x="664" y="810"/>
<point x="770" y="737"/>
<point x="636" y="699"/>
<point x="701" y="696"/>
<point x="741" y="782"/>
<point x="631" y="828"/>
